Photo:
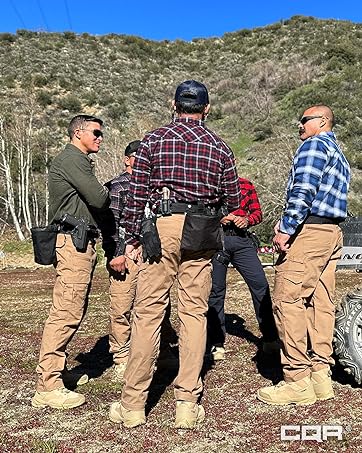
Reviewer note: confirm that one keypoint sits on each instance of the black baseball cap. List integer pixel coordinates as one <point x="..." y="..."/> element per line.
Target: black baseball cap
<point x="192" y="92"/>
<point x="132" y="147"/>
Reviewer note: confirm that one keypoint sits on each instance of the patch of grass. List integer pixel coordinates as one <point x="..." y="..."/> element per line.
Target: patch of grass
<point x="44" y="446"/>
<point x="241" y="144"/>
<point x="20" y="247"/>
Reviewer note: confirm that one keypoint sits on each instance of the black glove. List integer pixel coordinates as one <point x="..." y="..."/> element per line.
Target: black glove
<point x="150" y="239"/>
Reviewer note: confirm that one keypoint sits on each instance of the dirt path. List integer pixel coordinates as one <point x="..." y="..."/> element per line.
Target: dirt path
<point x="236" y="421"/>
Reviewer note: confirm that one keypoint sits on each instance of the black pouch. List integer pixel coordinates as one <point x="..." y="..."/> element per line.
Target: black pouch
<point x="201" y="232"/>
<point x="44" y="241"/>
<point x="254" y="239"/>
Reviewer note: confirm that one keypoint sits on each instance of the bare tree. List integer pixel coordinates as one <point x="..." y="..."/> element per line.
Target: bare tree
<point x="8" y="198"/>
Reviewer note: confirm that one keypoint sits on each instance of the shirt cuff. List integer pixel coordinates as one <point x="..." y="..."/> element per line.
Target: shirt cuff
<point x="287" y="227"/>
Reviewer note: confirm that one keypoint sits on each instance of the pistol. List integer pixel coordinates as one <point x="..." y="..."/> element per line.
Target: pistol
<point x="79" y="233"/>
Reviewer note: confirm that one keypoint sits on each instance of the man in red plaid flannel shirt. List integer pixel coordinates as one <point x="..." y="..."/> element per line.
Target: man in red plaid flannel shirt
<point x="241" y="252"/>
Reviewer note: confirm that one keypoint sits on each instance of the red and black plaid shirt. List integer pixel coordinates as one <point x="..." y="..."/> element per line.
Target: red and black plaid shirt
<point x="189" y="159"/>
<point x="249" y="206"/>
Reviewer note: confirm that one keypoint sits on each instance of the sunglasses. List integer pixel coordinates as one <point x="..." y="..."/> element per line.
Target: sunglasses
<point x="305" y="119"/>
<point x="96" y="132"/>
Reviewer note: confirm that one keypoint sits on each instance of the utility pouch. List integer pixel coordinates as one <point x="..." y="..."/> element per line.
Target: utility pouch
<point x="201" y="232"/>
<point x="150" y="239"/>
<point x="221" y="258"/>
<point x="44" y="241"/>
<point x="254" y="239"/>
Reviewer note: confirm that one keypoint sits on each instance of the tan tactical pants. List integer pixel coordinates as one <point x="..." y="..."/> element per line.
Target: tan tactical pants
<point x="303" y="300"/>
<point x="192" y="272"/>
<point x="70" y="299"/>
<point x="122" y="292"/>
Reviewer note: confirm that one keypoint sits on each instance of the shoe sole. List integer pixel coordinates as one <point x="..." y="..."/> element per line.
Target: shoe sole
<point x="296" y="403"/>
<point x="186" y="424"/>
<point x="41" y="405"/>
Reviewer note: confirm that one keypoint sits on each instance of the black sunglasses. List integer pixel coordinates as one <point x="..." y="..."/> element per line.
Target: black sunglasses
<point x="96" y="132"/>
<point x="305" y="119"/>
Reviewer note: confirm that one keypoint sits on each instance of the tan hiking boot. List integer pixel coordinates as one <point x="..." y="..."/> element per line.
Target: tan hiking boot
<point x="188" y="415"/>
<point x="74" y="379"/>
<point x="217" y="353"/>
<point x="130" y="419"/>
<point x="118" y="371"/>
<point x="299" y="392"/>
<point x="322" y="384"/>
<point x="59" y="399"/>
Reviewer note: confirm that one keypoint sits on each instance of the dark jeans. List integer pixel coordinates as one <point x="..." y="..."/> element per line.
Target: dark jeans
<point x="241" y="253"/>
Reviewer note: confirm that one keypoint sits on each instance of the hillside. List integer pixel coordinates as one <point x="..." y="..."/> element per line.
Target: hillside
<point x="259" y="80"/>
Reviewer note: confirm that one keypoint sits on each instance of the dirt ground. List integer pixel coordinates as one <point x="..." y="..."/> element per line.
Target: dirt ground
<point x="236" y="421"/>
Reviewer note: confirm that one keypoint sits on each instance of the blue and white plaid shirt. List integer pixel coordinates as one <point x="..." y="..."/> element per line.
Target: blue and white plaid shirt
<point x="318" y="182"/>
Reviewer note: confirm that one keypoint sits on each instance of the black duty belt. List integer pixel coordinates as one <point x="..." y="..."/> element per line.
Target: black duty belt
<point x="316" y="219"/>
<point x="194" y="208"/>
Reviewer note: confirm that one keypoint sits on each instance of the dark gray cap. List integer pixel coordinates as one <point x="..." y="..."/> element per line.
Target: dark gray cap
<point x="192" y="92"/>
<point x="132" y="147"/>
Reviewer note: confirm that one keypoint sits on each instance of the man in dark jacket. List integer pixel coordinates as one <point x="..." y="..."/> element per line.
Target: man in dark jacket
<point x="73" y="190"/>
<point x="122" y="285"/>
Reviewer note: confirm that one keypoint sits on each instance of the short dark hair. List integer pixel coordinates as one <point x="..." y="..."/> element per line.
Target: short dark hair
<point x="185" y="107"/>
<point x="79" y="121"/>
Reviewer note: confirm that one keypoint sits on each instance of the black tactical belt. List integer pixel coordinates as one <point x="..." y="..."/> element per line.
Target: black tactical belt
<point x="233" y="231"/>
<point x="316" y="219"/>
<point x="194" y="208"/>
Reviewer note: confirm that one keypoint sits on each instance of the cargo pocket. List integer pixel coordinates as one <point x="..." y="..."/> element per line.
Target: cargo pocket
<point x="289" y="280"/>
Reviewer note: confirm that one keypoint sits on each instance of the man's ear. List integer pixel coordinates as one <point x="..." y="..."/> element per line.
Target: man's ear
<point x="207" y="109"/>
<point x="173" y="105"/>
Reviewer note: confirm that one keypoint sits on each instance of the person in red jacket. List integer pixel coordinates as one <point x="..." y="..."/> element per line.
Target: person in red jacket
<point x="241" y="252"/>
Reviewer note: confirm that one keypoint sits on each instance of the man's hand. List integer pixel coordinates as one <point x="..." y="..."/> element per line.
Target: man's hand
<point x="119" y="264"/>
<point x="227" y="219"/>
<point x="134" y="253"/>
<point x="241" y="222"/>
<point x="280" y="242"/>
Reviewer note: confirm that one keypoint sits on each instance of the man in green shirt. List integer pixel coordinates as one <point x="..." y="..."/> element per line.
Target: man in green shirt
<point x="73" y="190"/>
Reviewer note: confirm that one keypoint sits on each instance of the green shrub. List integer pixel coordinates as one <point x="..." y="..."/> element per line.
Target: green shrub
<point x="71" y="103"/>
<point x="44" y="98"/>
<point x="7" y="38"/>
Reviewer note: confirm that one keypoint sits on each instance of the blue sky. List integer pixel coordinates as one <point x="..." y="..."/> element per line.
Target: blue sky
<point x="161" y="19"/>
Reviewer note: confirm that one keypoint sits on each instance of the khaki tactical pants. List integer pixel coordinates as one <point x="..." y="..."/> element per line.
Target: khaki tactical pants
<point x="122" y="292"/>
<point x="192" y="272"/>
<point x="303" y="300"/>
<point x="70" y="299"/>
